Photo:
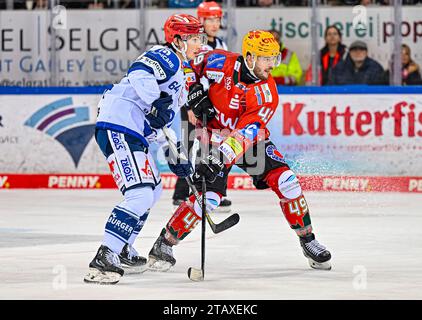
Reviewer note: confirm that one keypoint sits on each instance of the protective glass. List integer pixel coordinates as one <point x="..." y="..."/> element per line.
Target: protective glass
<point x="196" y="39"/>
<point x="275" y="60"/>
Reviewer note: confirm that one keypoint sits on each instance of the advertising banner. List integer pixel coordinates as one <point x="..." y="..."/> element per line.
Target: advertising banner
<point x="350" y="134"/>
<point x="353" y="142"/>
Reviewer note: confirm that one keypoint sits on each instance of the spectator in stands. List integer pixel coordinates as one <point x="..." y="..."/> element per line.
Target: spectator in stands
<point x="331" y="54"/>
<point x="357" y="68"/>
<point x="288" y="72"/>
<point x="410" y="70"/>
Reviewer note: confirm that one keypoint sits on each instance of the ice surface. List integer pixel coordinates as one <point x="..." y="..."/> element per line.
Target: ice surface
<point x="48" y="237"/>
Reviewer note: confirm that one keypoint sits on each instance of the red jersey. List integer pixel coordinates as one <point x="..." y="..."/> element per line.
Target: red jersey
<point x="239" y="106"/>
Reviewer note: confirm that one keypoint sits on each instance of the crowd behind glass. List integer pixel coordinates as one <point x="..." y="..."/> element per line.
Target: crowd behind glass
<point x="339" y="64"/>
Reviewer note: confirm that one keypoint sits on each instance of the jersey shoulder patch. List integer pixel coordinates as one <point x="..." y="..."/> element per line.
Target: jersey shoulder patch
<point x="160" y="61"/>
<point x="216" y="60"/>
<point x="265" y="93"/>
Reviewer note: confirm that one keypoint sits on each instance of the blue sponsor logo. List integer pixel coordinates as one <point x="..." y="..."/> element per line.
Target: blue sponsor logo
<point x="274" y="154"/>
<point x="127" y="169"/>
<point x="116" y="140"/>
<point x="120" y="224"/>
<point x="251" y="130"/>
<point x="68" y="124"/>
<point x="166" y="56"/>
<point x="216" y="61"/>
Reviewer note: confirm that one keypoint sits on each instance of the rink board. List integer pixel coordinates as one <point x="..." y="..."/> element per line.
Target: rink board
<point x="353" y="138"/>
<point x="235" y="182"/>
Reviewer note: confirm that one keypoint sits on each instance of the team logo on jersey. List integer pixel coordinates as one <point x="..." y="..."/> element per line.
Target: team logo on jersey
<point x="274" y="154"/>
<point x="216" y="61"/>
<point x="69" y="125"/>
<point x="234" y="102"/>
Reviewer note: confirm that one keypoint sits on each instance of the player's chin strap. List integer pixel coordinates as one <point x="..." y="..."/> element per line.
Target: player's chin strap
<point x="181" y="51"/>
<point x="253" y="66"/>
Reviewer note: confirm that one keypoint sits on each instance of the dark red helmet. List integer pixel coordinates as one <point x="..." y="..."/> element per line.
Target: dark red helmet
<point x="182" y="25"/>
<point x="209" y="9"/>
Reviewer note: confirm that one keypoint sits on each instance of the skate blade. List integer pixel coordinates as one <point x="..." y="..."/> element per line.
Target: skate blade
<point x="158" y="265"/>
<point x="319" y="265"/>
<point x="135" y="269"/>
<point x="96" y="276"/>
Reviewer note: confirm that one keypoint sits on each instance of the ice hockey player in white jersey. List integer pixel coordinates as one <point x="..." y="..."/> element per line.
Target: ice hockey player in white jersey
<point x="130" y="117"/>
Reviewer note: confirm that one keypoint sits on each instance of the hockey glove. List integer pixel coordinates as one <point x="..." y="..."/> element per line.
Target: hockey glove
<point x="161" y="112"/>
<point x="199" y="102"/>
<point x="210" y="168"/>
<point x="181" y="168"/>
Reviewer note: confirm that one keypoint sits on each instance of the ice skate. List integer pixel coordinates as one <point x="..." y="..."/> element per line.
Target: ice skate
<point x="224" y="207"/>
<point x="161" y="255"/>
<point x="105" y="268"/>
<point x="318" y="256"/>
<point x="131" y="261"/>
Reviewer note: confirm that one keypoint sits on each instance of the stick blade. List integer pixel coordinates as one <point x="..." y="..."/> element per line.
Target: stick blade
<point x="226" y="224"/>
<point x="195" y="274"/>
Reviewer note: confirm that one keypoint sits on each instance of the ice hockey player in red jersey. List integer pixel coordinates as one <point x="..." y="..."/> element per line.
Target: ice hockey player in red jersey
<point x="241" y="100"/>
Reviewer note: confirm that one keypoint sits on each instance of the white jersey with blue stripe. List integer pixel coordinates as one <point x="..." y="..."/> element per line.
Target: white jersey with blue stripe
<point x="124" y="106"/>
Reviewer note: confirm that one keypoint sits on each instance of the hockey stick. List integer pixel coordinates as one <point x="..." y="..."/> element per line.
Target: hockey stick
<point x="216" y="228"/>
<point x="193" y="273"/>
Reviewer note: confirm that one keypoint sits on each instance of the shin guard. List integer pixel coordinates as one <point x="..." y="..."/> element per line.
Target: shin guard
<point x="292" y="201"/>
<point x="182" y="222"/>
<point x="188" y="215"/>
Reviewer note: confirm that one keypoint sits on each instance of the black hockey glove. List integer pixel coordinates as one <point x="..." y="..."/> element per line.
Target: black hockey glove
<point x="199" y="102"/>
<point x="210" y="168"/>
<point x="161" y="112"/>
